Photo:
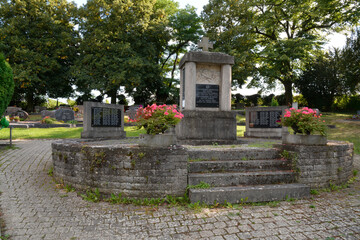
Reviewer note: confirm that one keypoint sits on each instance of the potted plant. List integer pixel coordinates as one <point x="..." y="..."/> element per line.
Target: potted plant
<point x="305" y="123"/>
<point x="159" y="122"/>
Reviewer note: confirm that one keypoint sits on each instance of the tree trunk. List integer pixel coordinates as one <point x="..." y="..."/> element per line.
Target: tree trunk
<point x="288" y="93"/>
<point x="112" y="95"/>
<point x="30" y="102"/>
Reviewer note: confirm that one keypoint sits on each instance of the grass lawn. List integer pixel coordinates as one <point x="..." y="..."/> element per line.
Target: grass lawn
<point x="38" y="133"/>
<point x="344" y="131"/>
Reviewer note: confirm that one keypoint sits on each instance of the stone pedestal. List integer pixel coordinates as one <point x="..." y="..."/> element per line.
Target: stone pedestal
<point x="205" y="97"/>
<point x="207" y="125"/>
<point x="103" y="120"/>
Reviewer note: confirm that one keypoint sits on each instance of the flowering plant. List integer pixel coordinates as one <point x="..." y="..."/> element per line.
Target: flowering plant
<point x="304" y="120"/>
<point x="157" y="118"/>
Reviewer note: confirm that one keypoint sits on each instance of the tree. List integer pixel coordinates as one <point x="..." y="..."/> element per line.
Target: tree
<point x="273" y="39"/>
<point x="350" y="62"/>
<point x="185" y="29"/>
<point x="39" y="39"/>
<point x="322" y="81"/>
<point x="6" y="84"/>
<point x="121" y="46"/>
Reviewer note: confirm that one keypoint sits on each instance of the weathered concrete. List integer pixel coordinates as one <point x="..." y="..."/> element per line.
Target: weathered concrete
<point x="257" y="193"/>
<point x="33" y="208"/>
<point x="304" y="139"/>
<point x="205" y="125"/>
<point x="207" y="57"/>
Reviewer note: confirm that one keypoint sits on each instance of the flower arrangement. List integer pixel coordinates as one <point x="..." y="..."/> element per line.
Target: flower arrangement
<point x="157" y="118"/>
<point x="304" y="120"/>
<point x="15" y="119"/>
<point x="48" y="120"/>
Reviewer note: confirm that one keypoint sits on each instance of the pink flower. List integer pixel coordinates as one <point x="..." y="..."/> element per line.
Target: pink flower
<point x="166" y="113"/>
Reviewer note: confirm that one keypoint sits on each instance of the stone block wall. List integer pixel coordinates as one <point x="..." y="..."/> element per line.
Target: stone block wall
<point x="318" y="166"/>
<point x="134" y="171"/>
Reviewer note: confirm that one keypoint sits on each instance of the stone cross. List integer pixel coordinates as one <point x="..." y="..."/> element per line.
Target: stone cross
<point x="205" y="44"/>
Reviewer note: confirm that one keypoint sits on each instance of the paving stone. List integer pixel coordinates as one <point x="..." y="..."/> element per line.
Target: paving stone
<point x="33" y="208"/>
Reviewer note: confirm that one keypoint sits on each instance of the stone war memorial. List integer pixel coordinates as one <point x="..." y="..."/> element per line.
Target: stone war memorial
<point x="103" y="120"/>
<point x="205" y="96"/>
<point x="105" y="159"/>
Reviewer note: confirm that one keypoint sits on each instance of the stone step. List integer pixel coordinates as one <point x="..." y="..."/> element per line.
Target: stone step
<point x="224" y="154"/>
<point x="238" y="165"/>
<point x="241" y="178"/>
<point x="258" y="193"/>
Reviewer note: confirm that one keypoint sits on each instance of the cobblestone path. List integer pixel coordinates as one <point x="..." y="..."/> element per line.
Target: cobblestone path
<point x="33" y="208"/>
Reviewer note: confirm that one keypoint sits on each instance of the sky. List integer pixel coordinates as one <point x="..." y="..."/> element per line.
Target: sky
<point x="336" y="40"/>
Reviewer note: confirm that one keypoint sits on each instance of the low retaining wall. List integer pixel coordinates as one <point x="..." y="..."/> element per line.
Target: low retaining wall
<point x="134" y="171"/>
<point x="143" y="172"/>
<point x="318" y="166"/>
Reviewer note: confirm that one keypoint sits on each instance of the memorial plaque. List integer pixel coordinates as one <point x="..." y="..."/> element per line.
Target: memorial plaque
<point x="105" y="117"/>
<point x="265" y="119"/>
<point x="207" y="95"/>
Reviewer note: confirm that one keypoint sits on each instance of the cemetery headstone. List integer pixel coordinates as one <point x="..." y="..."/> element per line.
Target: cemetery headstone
<point x="205" y="95"/>
<point x="295" y="105"/>
<point x="358" y="112"/>
<point x="48" y="113"/>
<point x="132" y="111"/>
<point x="261" y="122"/>
<point x="11" y="110"/>
<point x="38" y="109"/>
<point x="21" y="113"/>
<point x="64" y="114"/>
<point x="103" y="120"/>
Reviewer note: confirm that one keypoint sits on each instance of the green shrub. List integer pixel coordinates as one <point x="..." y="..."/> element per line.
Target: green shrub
<point x="6" y="84"/>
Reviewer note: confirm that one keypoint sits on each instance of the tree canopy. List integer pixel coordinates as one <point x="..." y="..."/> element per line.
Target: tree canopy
<point x="6" y="84"/>
<point x="39" y="39"/>
<point x="273" y="39"/>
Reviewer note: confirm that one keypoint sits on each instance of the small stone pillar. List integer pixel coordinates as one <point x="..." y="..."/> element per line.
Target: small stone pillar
<point x="205" y="96"/>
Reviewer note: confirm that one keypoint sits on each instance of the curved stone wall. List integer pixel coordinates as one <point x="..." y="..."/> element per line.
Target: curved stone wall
<point x="121" y="168"/>
<point x="318" y="166"/>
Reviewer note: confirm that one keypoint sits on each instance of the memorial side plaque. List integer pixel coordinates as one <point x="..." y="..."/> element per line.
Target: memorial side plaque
<point x="207" y="95"/>
<point x="105" y="117"/>
<point x="265" y="119"/>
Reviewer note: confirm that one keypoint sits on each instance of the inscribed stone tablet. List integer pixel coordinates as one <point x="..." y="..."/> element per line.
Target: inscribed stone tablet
<point x="207" y="95"/>
<point x="266" y="119"/>
<point x="105" y="117"/>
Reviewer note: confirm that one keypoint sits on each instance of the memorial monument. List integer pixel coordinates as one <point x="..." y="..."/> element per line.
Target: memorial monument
<point x="205" y="95"/>
<point x="103" y="120"/>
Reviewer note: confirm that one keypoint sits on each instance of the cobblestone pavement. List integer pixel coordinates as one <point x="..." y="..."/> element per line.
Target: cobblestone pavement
<point x="33" y="208"/>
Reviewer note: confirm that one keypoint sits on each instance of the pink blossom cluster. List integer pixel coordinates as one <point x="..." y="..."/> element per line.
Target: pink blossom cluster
<point x="147" y="112"/>
<point x="304" y="110"/>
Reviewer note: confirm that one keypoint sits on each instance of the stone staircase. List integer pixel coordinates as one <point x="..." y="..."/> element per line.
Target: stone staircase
<point x="242" y="175"/>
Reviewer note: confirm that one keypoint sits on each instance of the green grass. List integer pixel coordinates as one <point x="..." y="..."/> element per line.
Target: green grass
<point x="34" y="118"/>
<point x="240" y="131"/>
<point x="133" y="131"/>
<point x="345" y="130"/>
<point x="39" y="133"/>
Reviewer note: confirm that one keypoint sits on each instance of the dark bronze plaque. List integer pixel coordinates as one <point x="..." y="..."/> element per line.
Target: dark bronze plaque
<point x="265" y="119"/>
<point x="207" y="95"/>
<point x="105" y="117"/>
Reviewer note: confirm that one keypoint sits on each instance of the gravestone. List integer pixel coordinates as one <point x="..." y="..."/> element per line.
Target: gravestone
<point x="11" y="110"/>
<point x="103" y="120"/>
<point x="64" y="114"/>
<point x="20" y="113"/>
<point x="132" y="111"/>
<point x="39" y="109"/>
<point x="261" y="122"/>
<point x="358" y="112"/>
<point x="48" y="113"/>
<point x="205" y="96"/>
